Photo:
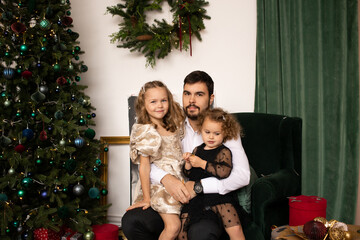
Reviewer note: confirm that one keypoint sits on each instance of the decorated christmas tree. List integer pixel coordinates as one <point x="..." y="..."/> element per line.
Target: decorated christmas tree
<point x="50" y="171"/>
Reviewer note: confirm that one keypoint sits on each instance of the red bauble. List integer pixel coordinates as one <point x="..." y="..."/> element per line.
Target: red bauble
<point x="61" y="81"/>
<point x="20" y="148"/>
<point x="315" y="230"/>
<point x="43" y="135"/>
<point x="66" y="21"/>
<point x="18" y="27"/>
<point x="26" y="74"/>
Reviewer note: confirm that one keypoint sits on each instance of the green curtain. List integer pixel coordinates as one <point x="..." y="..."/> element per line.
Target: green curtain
<point x="307" y="66"/>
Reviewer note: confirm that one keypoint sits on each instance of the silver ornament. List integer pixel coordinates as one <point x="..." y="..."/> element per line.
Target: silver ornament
<point x="78" y="189"/>
<point x="62" y="142"/>
<point x="44" y="89"/>
<point x="89" y="235"/>
<point x="11" y="171"/>
<point x="7" y="103"/>
<point x="32" y="22"/>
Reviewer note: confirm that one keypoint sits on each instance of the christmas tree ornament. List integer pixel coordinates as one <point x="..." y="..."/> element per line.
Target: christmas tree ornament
<point x="95" y="169"/>
<point x="43" y="89"/>
<point x="78" y="189"/>
<point x="45" y="24"/>
<point x="4" y="141"/>
<point x="82" y="121"/>
<point x="9" y="73"/>
<point x="93" y="115"/>
<point x="93" y="192"/>
<point x="61" y="81"/>
<point x="57" y="89"/>
<point x="24" y="48"/>
<point x="43" y="48"/>
<point x="20" y="148"/>
<point x="89" y="235"/>
<point x="79" y="142"/>
<point x="3" y="197"/>
<point x="70" y="165"/>
<point x="58" y="115"/>
<point x="315" y="230"/>
<point x="25" y="235"/>
<point x="7" y="54"/>
<point x="43" y="135"/>
<point x="62" y="142"/>
<point x="77" y="78"/>
<point x="21" y="193"/>
<point x="15" y="224"/>
<point x="70" y="67"/>
<point x="28" y="133"/>
<point x="26" y="182"/>
<point x="66" y="21"/>
<point x="19" y="228"/>
<point x="77" y="49"/>
<point x="56" y="67"/>
<point x="89" y="133"/>
<point x="26" y="74"/>
<point x="6" y="15"/>
<point x="73" y="97"/>
<point x="83" y="68"/>
<point x="88" y="116"/>
<point x="106" y="149"/>
<point x="38" y="96"/>
<point x="11" y="171"/>
<point x="18" y="113"/>
<point x="98" y="162"/>
<point x="18" y="27"/>
<point x="7" y="103"/>
<point x="104" y="192"/>
<point x="38" y="161"/>
<point x="32" y="22"/>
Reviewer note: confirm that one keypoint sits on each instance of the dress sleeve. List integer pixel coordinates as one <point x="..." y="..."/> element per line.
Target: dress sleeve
<point x="221" y="167"/>
<point x="144" y="140"/>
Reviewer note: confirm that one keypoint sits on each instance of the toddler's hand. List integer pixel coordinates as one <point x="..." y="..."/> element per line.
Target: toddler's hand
<point x="186" y="156"/>
<point x="195" y="161"/>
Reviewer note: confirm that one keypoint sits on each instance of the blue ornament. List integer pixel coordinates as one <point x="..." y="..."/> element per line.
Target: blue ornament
<point x="93" y="192"/>
<point x="79" y="142"/>
<point x="44" y="194"/>
<point x="3" y="197"/>
<point x="28" y="133"/>
<point x="9" y="73"/>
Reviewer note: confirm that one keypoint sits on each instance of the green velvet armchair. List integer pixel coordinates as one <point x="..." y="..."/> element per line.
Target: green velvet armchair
<point x="273" y="146"/>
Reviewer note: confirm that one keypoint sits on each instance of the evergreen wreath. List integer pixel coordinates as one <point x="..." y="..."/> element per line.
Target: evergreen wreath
<point x="158" y="40"/>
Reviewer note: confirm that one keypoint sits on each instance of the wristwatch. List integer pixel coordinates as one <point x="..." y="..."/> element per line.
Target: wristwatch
<point x="198" y="188"/>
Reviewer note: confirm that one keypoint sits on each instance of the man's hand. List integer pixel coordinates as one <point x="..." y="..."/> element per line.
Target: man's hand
<point x="190" y="187"/>
<point x="176" y="188"/>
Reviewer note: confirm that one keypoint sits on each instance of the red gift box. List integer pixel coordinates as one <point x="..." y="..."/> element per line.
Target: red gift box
<point x="46" y="234"/>
<point x="305" y="208"/>
<point x="106" y="232"/>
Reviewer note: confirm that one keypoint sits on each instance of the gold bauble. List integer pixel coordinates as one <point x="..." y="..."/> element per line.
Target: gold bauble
<point x="332" y="222"/>
<point x="321" y="219"/>
<point x="348" y="236"/>
<point x="336" y="234"/>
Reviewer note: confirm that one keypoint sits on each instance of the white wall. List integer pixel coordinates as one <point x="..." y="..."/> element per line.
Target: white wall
<point x="227" y="53"/>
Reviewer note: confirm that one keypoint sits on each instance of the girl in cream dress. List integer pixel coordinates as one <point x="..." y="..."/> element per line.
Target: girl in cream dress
<point x="156" y="139"/>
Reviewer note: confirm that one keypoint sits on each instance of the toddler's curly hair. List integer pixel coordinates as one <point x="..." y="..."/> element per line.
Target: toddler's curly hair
<point x="229" y="125"/>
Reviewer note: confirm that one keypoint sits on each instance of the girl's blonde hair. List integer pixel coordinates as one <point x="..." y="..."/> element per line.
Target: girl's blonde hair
<point x="229" y="125"/>
<point x="173" y="119"/>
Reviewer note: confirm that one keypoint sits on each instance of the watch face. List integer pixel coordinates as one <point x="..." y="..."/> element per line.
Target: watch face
<point x="198" y="188"/>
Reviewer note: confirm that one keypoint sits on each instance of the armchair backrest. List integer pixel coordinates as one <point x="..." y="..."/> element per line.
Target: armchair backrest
<point x="271" y="142"/>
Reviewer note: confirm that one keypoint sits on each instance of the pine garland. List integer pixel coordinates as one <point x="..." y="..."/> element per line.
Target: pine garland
<point x="158" y="40"/>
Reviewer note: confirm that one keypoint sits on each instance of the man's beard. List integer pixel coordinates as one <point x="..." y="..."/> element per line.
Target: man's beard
<point x="193" y="116"/>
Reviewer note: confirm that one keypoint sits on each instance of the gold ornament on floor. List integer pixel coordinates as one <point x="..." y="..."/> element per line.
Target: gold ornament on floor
<point x="89" y="235"/>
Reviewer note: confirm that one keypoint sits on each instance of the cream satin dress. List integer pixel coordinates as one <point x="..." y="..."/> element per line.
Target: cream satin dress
<point x="163" y="151"/>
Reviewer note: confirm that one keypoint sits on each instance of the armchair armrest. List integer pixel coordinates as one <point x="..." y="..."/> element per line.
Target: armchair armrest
<point x="270" y="189"/>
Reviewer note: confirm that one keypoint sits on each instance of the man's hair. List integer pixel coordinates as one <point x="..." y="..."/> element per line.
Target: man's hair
<point x="200" y="76"/>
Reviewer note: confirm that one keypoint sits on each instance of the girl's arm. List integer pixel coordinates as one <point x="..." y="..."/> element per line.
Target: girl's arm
<point x="144" y="173"/>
